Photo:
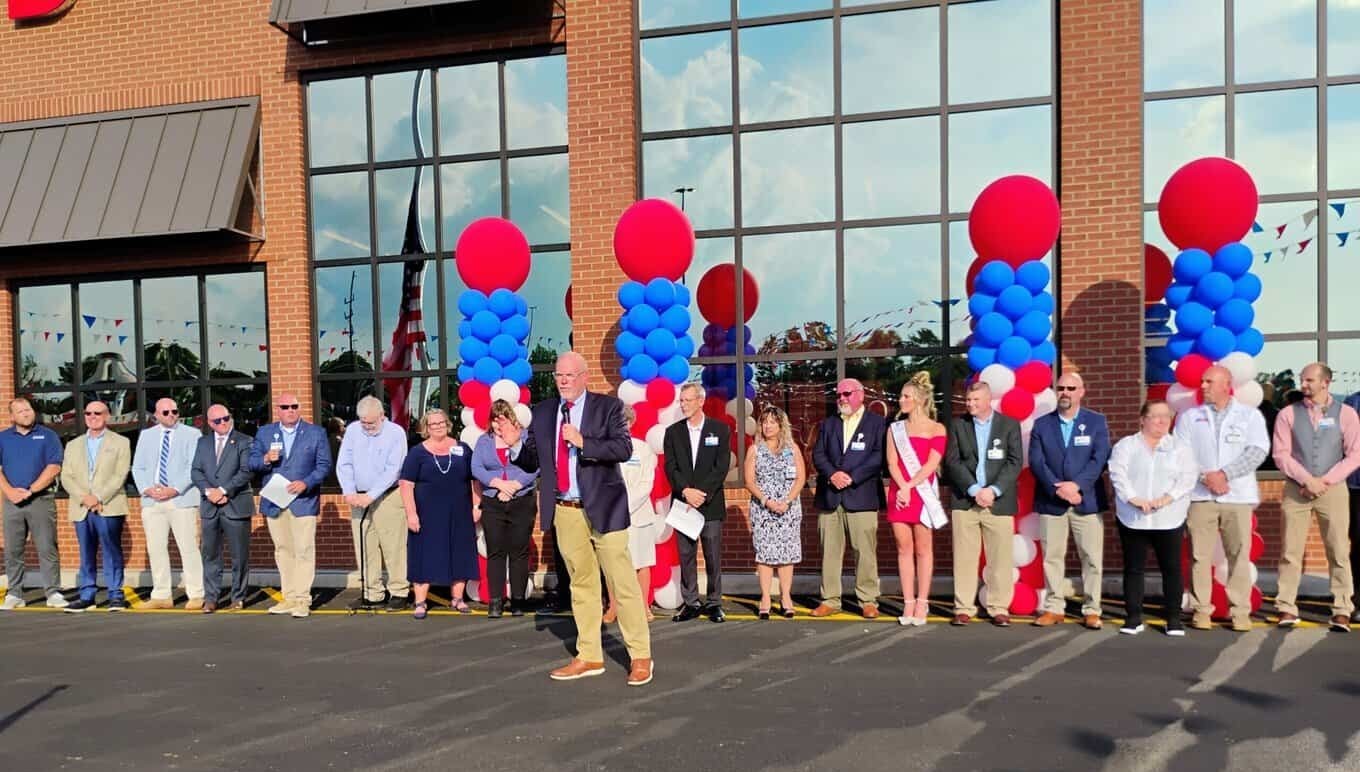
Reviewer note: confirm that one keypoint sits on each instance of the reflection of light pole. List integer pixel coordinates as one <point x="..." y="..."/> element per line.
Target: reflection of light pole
<point x="682" y="191"/>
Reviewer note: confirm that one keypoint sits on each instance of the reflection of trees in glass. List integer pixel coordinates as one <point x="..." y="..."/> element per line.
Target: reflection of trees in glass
<point x="30" y="372"/>
<point x="542" y="385"/>
<point x="346" y="362"/>
<point x="809" y="336"/>
<point x="171" y="362"/>
<point x="57" y="412"/>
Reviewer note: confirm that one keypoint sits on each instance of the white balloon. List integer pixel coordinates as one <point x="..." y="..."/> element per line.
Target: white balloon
<point x="1242" y="366"/>
<point x="505" y="389"/>
<point x="470" y="435"/>
<point x="1025" y="432"/>
<point x="1253" y="573"/>
<point x="669" y="415"/>
<point x="733" y="470"/>
<point x="1024" y="550"/>
<point x="467" y="416"/>
<point x="1015" y="575"/>
<point x="1045" y="402"/>
<point x="481" y="541"/>
<point x="1042" y="595"/>
<point x="655" y="435"/>
<point x="631" y="392"/>
<point x="1249" y="394"/>
<point x="523" y="414"/>
<point x="751" y="427"/>
<point x="1187" y="603"/>
<point x="1028" y="526"/>
<point x="982" y="594"/>
<point x="1180" y="398"/>
<point x="996" y="404"/>
<point x="470" y="591"/>
<point x="998" y="376"/>
<point x="667" y="596"/>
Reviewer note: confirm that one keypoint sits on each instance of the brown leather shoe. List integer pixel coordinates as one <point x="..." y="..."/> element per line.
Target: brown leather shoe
<point x="1341" y="623"/>
<point x="640" y="674"/>
<point x="870" y="611"/>
<point x="1048" y="619"/>
<point x="1001" y="620"/>
<point x="158" y="603"/>
<point x="609" y="616"/>
<point x="238" y="605"/>
<point x="1092" y="622"/>
<point x="1201" y="621"/>
<point x="194" y="604"/>
<point x="824" y="611"/>
<point x="577" y="668"/>
<point x="960" y="620"/>
<point x="1287" y="619"/>
<point x="209" y="607"/>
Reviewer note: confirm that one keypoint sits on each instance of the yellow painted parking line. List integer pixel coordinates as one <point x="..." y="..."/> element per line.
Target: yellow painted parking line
<point x="134" y="601"/>
<point x="274" y="594"/>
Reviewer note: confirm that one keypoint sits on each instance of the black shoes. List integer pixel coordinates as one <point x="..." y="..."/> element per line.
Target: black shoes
<point x="117" y="605"/>
<point x="552" y="604"/>
<point x="516" y="607"/>
<point x="716" y="615"/>
<point x="81" y="606"/>
<point x="494" y="609"/>
<point x="398" y="603"/>
<point x="687" y="613"/>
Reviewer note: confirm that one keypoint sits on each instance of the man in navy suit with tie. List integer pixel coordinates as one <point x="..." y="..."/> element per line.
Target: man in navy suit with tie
<point x="221" y="471"/>
<point x="1067" y="454"/>
<point x="849" y="461"/>
<point x="577" y="442"/>
<point x="300" y="453"/>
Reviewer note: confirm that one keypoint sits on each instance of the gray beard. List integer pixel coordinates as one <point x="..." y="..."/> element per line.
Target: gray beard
<point x="845" y="410"/>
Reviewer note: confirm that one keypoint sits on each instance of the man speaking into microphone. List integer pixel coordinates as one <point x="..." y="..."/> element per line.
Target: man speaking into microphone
<point x="577" y="443"/>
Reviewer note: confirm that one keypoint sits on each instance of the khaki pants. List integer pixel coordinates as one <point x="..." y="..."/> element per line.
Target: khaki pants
<point x="384" y="541"/>
<point x="1333" y="514"/>
<point x="975" y="529"/>
<point x="1206" y="520"/>
<point x="862" y="530"/>
<point x="295" y="554"/>
<point x="586" y="552"/>
<point x="1089" y="533"/>
<point x="159" y="520"/>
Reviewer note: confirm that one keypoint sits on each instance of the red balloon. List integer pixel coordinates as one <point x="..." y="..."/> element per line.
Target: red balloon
<point x="492" y="253"/>
<point x="1207" y="203"/>
<point x="1015" y="219"/>
<point x="1255" y="599"/>
<point x="731" y="424"/>
<point x="973" y="269"/>
<point x="1258" y="546"/>
<point x="646" y="419"/>
<point x="525" y="398"/>
<point x="1158" y="391"/>
<point x="481" y="415"/>
<point x="566" y="301"/>
<point x="474" y="394"/>
<point x="1190" y="370"/>
<point x="654" y="238"/>
<point x="1032" y="574"/>
<point x="661" y="574"/>
<point x="661" y="486"/>
<point x="1024" y="492"/>
<point x="1034" y="376"/>
<point x="717" y="295"/>
<point x="1024" y="600"/>
<point x="1156" y="274"/>
<point x="668" y="554"/>
<point x="715" y="407"/>
<point x="1017" y="403"/>
<point x="660" y="393"/>
<point x="1219" y="597"/>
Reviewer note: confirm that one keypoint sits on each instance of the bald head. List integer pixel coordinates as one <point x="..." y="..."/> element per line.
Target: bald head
<point x="96" y="417"/>
<point x="1315" y="382"/>
<point x="1216" y="386"/>
<point x="290" y="410"/>
<point x="167" y="412"/>
<point x="849" y="396"/>
<point x="219" y="418"/>
<point x="1071" y="390"/>
<point x="571" y="375"/>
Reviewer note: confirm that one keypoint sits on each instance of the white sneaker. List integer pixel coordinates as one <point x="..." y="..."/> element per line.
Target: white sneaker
<point x="282" y="607"/>
<point x="1176" y="632"/>
<point x="919" y="621"/>
<point x="12" y="602"/>
<point x="1126" y="630"/>
<point x="57" y="600"/>
<point x="906" y="621"/>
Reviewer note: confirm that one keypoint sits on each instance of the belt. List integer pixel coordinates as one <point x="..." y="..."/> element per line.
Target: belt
<point x="572" y="503"/>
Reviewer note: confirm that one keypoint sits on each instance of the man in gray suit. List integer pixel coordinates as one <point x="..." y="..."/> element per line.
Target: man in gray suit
<point x="221" y="471"/>
<point x="982" y="462"/>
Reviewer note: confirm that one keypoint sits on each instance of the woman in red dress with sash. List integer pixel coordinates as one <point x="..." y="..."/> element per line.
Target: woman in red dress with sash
<point x="911" y="511"/>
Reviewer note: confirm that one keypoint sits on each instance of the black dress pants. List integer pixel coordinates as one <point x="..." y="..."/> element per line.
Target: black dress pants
<point x="1166" y="544"/>
<point x="711" y="540"/>
<point x="508" y="526"/>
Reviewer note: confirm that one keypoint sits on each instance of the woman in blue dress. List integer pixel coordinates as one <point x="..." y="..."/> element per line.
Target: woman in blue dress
<point x="442" y="510"/>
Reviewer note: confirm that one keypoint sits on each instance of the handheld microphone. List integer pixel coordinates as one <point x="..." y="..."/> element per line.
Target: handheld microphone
<point x="566" y="415"/>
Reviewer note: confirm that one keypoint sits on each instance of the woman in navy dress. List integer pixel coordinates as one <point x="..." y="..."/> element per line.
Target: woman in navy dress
<point x="442" y="510"/>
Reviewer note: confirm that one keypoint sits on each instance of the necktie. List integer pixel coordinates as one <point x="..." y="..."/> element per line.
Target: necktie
<point x="162" y="474"/>
<point x="563" y="458"/>
<point x="221" y="442"/>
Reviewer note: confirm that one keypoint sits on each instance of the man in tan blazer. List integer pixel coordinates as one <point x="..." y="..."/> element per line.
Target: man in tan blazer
<point x="94" y="470"/>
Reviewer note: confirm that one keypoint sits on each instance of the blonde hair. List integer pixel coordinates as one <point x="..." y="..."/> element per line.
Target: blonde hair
<point x="781" y="418"/>
<point x="423" y="428"/>
<point x="923" y="391"/>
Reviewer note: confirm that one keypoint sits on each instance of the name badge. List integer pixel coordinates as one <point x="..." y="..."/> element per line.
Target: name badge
<point x="711" y="441"/>
<point x="995" y="454"/>
<point x="457" y="450"/>
<point x="1234" y="436"/>
<point x="1326" y="423"/>
<point x="857" y="445"/>
<point x="1081" y="440"/>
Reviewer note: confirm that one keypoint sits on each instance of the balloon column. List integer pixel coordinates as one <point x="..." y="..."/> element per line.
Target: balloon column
<point x="654" y="244"/>
<point x="1206" y="208"/>
<point x="1156" y="318"/>
<point x="492" y="258"/>
<point x="1013" y="225"/>
<point x="717" y="296"/>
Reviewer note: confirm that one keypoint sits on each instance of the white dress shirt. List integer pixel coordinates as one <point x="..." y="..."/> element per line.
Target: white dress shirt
<point x="1140" y="472"/>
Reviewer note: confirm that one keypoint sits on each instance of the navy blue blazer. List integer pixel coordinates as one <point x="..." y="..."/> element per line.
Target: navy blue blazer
<point x="309" y="461"/>
<point x="607" y="444"/>
<point x="232" y="474"/>
<point x="865" y="467"/>
<point x="1053" y="462"/>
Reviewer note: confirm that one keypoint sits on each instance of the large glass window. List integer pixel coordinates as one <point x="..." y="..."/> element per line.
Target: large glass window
<point x="414" y="156"/>
<point x="833" y="154"/>
<point x="197" y="338"/>
<point x="1249" y="79"/>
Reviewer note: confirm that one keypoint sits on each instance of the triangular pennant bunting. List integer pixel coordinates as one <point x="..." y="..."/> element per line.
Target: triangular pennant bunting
<point x="1279" y="231"/>
<point x="1304" y="244"/>
<point x="60" y="335"/>
<point x="1341" y="237"/>
<point x="1309" y="217"/>
<point x="1256" y="227"/>
<point x="1340" y="209"/>
<point x="89" y="320"/>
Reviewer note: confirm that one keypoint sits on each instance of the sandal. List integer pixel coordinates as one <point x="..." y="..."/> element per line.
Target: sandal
<point x="461" y="607"/>
<point x="786" y="611"/>
<point x="763" y="613"/>
<point x="421" y="610"/>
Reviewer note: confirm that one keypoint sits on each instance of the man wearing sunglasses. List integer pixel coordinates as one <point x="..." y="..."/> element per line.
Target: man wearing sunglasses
<point x="221" y="471"/>
<point x="161" y="468"/>
<point x="94" y="471"/>
<point x="848" y="456"/>
<point x="301" y="453"/>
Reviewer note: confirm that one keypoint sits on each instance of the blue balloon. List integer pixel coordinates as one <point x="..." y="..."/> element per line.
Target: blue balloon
<point x="1045" y="352"/>
<point x="750" y="350"/>
<point x="631" y="294"/>
<point x="1014" y="351"/>
<point x="519" y="371"/>
<point x="470" y="302"/>
<point x="981" y="303"/>
<point x="1216" y="342"/>
<point x="485" y="325"/>
<point x="681" y="295"/>
<point x="628" y="345"/>
<point x="1213" y="289"/>
<point x="466" y="373"/>
<point x="517" y="327"/>
<point x="471" y="349"/>
<point x="1044" y="303"/>
<point x="980" y="356"/>
<point x="994" y="277"/>
<point x="502" y="303"/>
<point x="1247" y="287"/>
<point x="487" y="370"/>
<point x="992" y="328"/>
<point x="523" y="351"/>
<point x="521" y="306"/>
<point x="1193" y="318"/>
<point x="1236" y="314"/>
<point x="642" y="319"/>
<point x="1034" y="327"/>
<point x="676" y="320"/>
<point x="1157" y="312"/>
<point x="708" y="378"/>
<point x="713" y="334"/>
<point x="504" y="349"/>
<point x="1250" y="341"/>
<point x="660" y="293"/>
<point x="706" y="351"/>
<point x="1014" y="301"/>
<point x="1178" y="346"/>
<point x="1178" y="294"/>
<point x="1233" y="259"/>
<point x="684" y="346"/>
<point x="465" y="329"/>
<point x="675" y="370"/>
<point x="642" y="368"/>
<point x="1191" y="264"/>
<point x="750" y="391"/>
<point x="1033" y="276"/>
<point x="731" y="336"/>
<point x="1158" y="356"/>
<point x="660" y="344"/>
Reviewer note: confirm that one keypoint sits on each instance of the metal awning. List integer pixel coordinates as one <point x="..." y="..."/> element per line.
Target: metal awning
<point x="178" y="169"/>
<point x="318" y="21"/>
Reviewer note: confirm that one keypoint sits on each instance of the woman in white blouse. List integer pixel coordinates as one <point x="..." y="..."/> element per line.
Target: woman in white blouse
<point x="1153" y="474"/>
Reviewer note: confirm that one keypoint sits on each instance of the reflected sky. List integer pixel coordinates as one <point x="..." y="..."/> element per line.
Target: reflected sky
<point x="785" y="71"/>
<point x="236" y="322"/>
<point x="1343" y="356"/>
<point x="340" y="215"/>
<point x="1343" y="123"/>
<point x="470" y="190"/>
<point x="796" y="275"/>
<point x="654" y="14"/>
<point x="1182" y="44"/>
<point x="393" y="192"/>
<point x="390" y="277"/>
<point x="110" y="301"/>
<point x="344" y="312"/>
<point x="902" y="42"/>
<point x="1175" y="132"/>
<point x="893" y="283"/>
<point x="1000" y="49"/>
<point x="1276" y="138"/>
<point x="1274" y="40"/>
<point x="701" y="163"/>
<point x="536" y="102"/>
<point x="1343" y="264"/>
<point x="335" y="122"/>
<point x="45" y="328"/>
<point x="539" y="199"/>
<point x="788" y="176"/>
<point x="1343" y="37"/>
<point x="686" y="81"/>
<point x="392" y="138"/>
<point x="989" y="144"/>
<point x="468" y="95"/>
<point x="891" y="168"/>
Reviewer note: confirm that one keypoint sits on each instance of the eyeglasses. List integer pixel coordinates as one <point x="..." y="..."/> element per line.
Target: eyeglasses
<point x="226" y="419"/>
<point x="169" y="412"/>
<point x="1066" y="388"/>
<point x="94" y="412"/>
<point x="433" y="424"/>
<point x="293" y="406"/>
<point x="561" y="376"/>
<point x="847" y="394"/>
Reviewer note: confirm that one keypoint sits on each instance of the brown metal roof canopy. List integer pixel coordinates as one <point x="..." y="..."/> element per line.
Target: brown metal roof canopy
<point x="177" y="169"/>
<point x="315" y="22"/>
